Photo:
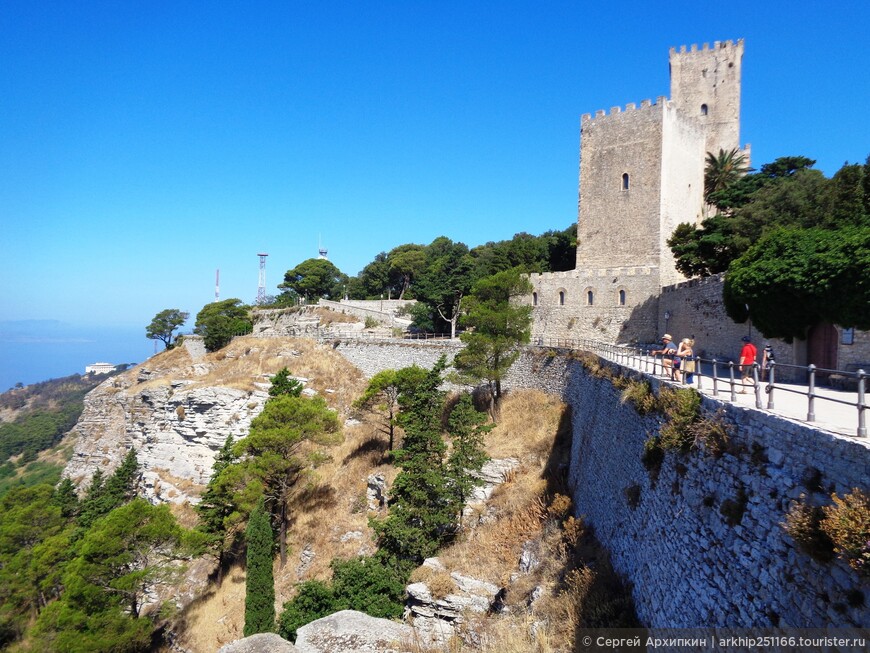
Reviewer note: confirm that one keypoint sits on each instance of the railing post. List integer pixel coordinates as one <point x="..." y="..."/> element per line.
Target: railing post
<point x="862" y="426"/>
<point x="731" y="377"/>
<point x="715" y="380"/>
<point x="755" y="383"/>
<point x="811" y="413"/>
<point x="771" y="384"/>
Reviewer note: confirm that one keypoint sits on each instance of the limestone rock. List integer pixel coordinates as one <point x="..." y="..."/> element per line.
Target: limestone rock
<point x="306" y="557"/>
<point x="261" y="643"/>
<point x="176" y="428"/>
<point x="493" y="473"/>
<point x="376" y="492"/>
<point x="349" y="631"/>
<point x="437" y="620"/>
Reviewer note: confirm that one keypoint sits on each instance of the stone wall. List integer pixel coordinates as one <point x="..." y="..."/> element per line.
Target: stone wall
<point x="671" y="536"/>
<point x="695" y="309"/>
<point x="373" y="356"/>
<point x="562" y="309"/>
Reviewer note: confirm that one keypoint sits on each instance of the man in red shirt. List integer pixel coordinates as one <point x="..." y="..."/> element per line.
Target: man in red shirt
<point x="747" y="360"/>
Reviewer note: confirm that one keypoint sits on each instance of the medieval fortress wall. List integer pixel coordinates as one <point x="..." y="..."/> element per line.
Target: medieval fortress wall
<point x="702" y="541"/>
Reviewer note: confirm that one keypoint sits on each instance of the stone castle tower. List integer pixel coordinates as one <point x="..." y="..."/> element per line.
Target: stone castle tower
<point x="641" y="174"/>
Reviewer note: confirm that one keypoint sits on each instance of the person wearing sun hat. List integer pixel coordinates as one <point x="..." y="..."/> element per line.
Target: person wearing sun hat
<point x="668" y="351"/>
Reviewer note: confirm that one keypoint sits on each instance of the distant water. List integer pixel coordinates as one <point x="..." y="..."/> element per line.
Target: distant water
<point x="38" y="350"/>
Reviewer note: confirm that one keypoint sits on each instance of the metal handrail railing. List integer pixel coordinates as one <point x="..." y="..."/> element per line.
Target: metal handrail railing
<point x="725" y="372"/>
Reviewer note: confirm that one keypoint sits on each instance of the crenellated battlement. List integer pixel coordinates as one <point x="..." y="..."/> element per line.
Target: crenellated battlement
<point x="631" y="106"/>
<point x="717" y="45"/>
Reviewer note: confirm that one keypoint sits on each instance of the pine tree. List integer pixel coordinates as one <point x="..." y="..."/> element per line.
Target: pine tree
<point x="284" y="384"/>
<point x="260" y="583"/>
<point x="467" y="426"/>
<point x="66" y="499"/>
<point x="422" y="506"/>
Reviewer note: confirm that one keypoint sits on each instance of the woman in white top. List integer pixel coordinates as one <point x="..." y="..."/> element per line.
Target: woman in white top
<point x="687" y="361"/>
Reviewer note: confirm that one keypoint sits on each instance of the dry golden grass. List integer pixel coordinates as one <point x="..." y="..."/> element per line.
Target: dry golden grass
<point x="328" y="316"/>
<point x="217" y="618"/>
<point x="330" y="504"/>
<point x="438" y="581"/>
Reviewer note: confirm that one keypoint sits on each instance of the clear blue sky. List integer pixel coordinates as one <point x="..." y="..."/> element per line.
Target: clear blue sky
<point x="143" y="145"/>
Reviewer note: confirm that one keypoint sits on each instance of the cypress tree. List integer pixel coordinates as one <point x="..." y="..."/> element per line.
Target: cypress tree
<point x="260" y="583"/>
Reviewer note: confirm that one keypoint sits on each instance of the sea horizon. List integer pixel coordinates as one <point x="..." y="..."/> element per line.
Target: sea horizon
<point x="32" y="351"/>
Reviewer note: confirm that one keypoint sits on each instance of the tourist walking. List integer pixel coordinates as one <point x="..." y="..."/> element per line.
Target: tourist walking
<point x="747" y="361"/>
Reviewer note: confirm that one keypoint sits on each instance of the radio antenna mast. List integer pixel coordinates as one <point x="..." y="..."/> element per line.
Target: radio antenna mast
<point x="261" y="286"/>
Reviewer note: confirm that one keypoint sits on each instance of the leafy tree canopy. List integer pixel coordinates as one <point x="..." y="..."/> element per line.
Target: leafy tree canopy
<point x="164" y="325"/>
<point x="315" y="278"/>
<point x="795" y="278"/>
<point x="785" y="193"/>
<point x="442" y="284"/>
<point x="219" y="322"/>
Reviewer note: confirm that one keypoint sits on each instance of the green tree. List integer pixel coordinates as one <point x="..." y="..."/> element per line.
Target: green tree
<point x="784" y="193"/>
<point x="284" y="384"/>
<point x="217" y="505"/>
<point x="28" y="517"/>
<point x="219" y="322"/>
<point x="442" y="284"/>
<point x="164" y="325"/>
<point x="259" y="581"/>
<point x="115" y="565"/>
<point x="422" y="506"/>
<point x="104" y="496"/>
<point x="795" y="278"/>
<point x="723" y="170"/>
<point x="272" y="460"/>
<point x="314" y="600"/>
<point x="381" y="397"/>
<point x="66" y="498"/>
<point x="406" y="261"/>
<point x="467" y="427"/>
<point x="498" y="326"/>
<point x="362" y="584"/>
<point x="315" y="278"/>
<point x="375" y="280"/>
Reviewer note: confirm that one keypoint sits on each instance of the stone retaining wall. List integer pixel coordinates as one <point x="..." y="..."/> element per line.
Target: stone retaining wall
<point x="702" y="544"/>
<point x="694" y="558"/>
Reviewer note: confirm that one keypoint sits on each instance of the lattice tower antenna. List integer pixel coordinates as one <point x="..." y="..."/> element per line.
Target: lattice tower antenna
<point x="261" y="286"/>
<point x="217" y="285"/>
<point x="321" y="249"/>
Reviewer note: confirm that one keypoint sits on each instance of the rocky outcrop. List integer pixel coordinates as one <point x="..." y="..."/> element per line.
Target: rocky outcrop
<point x="495" y="472"/>
<point x="349" y="631"/>
<point x="261" y="643"/>
<point x="437" y="620"/>
<point x="176" y="428"/>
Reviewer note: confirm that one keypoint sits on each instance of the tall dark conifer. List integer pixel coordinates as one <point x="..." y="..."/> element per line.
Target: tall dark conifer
<point x="260" y="583"/>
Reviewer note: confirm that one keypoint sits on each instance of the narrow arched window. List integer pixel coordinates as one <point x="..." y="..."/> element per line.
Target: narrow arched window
<point x="703" y="109"/>
<point x="561" y="298"/>
<point x="534" y="299"/>
<point x="589" y="297"/>
<point x="622" y="298"/>
<point x="624" y="181"/>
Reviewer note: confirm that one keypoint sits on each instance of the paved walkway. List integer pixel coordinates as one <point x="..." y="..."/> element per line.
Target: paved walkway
<point x="834" y="410"/>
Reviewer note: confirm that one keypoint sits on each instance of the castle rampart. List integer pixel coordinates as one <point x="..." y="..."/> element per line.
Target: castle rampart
<point x="701" y="541"/>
